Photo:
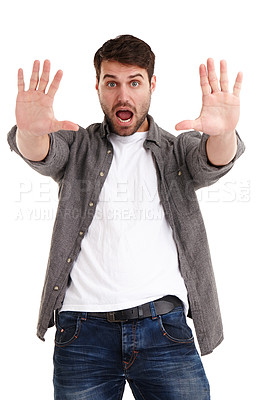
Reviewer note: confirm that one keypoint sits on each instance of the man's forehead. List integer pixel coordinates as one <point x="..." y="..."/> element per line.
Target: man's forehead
<point x="110" y="68"/>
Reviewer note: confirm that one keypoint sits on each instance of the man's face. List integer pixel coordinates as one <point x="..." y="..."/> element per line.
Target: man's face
<point x="125" y="94"/>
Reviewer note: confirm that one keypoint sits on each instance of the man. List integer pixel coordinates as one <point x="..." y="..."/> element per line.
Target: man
<point x="129" y="255"/>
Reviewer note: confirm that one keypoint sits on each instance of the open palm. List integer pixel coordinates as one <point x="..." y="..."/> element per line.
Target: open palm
<point x="34" y="107"/>
<point x="220" y="109"/>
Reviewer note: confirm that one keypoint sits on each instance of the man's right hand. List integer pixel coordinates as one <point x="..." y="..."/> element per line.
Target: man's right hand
<point x="34" y="112"/>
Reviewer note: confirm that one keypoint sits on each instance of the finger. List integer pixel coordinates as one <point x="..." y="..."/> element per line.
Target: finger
<point x="238" y="83"/>
<point x="204" y="83"/>
<point x="213" y="81"/>
<point x="185" y="125"/>
<point x="65" y="126"/>
<point x="35" y="75"/>
<point x="223" y="76"/>
<point x="45" y="76"/>
<point x="21" y="84"/>
<point x="55" y="84"/>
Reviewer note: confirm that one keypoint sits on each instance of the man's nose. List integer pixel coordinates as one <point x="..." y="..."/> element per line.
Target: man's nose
<point x="123" y="94"/>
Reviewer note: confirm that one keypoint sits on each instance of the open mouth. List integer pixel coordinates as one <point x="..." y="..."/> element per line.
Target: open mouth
<point x="124" y="116"/>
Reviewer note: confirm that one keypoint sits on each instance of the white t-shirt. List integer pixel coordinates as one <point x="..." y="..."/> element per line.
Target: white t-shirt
<point x="128" y="256"/>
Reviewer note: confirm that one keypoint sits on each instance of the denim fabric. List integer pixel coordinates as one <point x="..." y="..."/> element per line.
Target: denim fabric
<point x="93" y="358"/>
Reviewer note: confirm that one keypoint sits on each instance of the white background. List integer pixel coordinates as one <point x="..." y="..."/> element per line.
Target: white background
<point x="182" y="35"/>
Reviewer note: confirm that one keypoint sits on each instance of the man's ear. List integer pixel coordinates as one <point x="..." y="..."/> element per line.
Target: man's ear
<point x="97" y="84"/>
<point x="153" y="83"/>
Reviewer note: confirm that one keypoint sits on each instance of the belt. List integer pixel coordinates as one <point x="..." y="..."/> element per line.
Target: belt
<point x="162" y="306"/>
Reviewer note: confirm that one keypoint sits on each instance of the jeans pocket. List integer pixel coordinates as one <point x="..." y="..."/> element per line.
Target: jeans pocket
<point x="175" y="328"/>
<point x="67" y="328"/>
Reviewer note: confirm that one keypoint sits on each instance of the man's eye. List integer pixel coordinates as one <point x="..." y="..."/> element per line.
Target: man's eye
<point x="111" y="84"/>
<point x="135" y="83"/>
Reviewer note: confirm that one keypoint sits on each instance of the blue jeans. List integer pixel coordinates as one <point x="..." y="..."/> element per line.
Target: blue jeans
<point x="94" y="358"/>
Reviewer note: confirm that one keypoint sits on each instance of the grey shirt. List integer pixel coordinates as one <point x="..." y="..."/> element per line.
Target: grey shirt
<point x="79" y="162"/>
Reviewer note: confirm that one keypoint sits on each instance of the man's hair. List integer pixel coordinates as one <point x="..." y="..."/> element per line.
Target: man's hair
<point x="126" y="49"/>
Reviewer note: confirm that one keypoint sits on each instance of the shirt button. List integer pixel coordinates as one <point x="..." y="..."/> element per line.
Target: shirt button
<point x="109" y="151"/>
<point x="56" y="288"/>
<point x="91" y="204"/>
<point x="81" y="233"/>
<point x="69" y="260"/>
<point x="101" y="173"/>
<point x="179" y="173"/>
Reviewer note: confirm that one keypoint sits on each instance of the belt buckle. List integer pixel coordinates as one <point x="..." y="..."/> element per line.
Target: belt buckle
<point x="111" y="317"/>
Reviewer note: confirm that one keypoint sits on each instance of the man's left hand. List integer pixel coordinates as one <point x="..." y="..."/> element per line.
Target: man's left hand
<point x="220" y="109"/>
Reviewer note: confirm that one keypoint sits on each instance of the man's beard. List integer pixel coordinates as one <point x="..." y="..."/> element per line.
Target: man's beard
<point x="126" y="130"/>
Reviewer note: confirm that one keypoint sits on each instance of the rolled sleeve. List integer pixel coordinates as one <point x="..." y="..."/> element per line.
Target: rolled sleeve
<point x="202" y="171"/>
<point x="54" y="163"/>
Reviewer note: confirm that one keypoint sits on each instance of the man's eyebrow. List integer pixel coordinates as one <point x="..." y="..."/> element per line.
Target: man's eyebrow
<point x="130" y="76"/>
<point x="109" y="76"/>
<point x="135" y="76"/>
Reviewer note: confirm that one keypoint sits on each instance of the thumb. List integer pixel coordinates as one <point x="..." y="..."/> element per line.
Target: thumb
<point x="65" y="126"/>
<point x="186" y="124"/>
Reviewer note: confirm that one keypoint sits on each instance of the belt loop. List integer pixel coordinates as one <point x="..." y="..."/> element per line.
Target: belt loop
<point x="140" y="312"/>
<point x="83" y="315"/>
<point x="153" y="311"/>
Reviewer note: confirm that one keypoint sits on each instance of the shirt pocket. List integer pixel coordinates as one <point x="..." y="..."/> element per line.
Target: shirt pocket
<point x="181" y="192"/>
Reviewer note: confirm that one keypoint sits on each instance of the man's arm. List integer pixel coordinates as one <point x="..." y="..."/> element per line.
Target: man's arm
<point x="219" y="114"/>
<point x="34" y="148"/>
<point x="34" y="113"/>
<point x="221" y="149"/>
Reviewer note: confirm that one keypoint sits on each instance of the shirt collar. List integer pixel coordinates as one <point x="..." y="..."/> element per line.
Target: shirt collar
<point x="153" y="133"/>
